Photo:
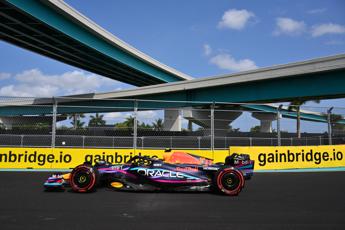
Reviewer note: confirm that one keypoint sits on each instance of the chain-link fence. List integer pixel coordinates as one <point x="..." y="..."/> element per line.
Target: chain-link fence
<point x="155" y="142"/>
<point x="115" y="123"/>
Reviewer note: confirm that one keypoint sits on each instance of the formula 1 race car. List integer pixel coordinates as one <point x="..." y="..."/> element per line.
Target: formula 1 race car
<point x="178" y="171"/>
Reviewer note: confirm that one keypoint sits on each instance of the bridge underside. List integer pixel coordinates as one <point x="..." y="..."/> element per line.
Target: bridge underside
<point x="104" y="106"/>
<point x="36" y="27"/>
<point x="322" y="85"/>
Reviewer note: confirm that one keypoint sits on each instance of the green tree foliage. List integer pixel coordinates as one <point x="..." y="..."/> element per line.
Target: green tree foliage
<point x="76" y="120"/>
<point x="158" y="124"/>
<point x="255" y="129"/>
<point x="335" y="118"/>
<point x="78" y="125"/>
<point x="36" y="126"/>
<point x="144" y="126"/>
<point x="96" y="120"/>
<point x="129" y="124"/>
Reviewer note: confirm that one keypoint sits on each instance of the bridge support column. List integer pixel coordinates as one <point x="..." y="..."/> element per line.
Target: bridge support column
<point x="172" y="120"/>
<point x="15" y="121"/>
<point x="222" y="120"/>
<point x="265" y="121"/>
<point x="6" y="123"/>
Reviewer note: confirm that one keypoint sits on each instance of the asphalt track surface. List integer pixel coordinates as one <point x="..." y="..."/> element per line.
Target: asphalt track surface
<point x="312" y="200"/>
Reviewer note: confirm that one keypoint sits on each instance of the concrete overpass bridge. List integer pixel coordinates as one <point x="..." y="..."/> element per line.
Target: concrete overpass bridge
<point x="321" y="78"/>
<point x="54" y="29"/>
<point x="317" y="78"/>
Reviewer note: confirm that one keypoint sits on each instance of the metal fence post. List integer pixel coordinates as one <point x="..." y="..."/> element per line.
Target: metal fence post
<point x="320" y="140"/>
<point x="212" y="126"/>
<point x="278" y="125"/>
<point x="83" y="138"/>
<point x="135" y="125"/>
<point x="171" y="142"/>
<point x="21" y="140"/>
<point x="54" y="122"/>
<point x="199" y="140"/>
<point x="329" y="122"/>
<point x="142" y="142"/>
<point x="250" y="141"/>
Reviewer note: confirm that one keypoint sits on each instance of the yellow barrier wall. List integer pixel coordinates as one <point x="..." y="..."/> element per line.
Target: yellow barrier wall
<point x="294" y="157"/>
<point x="266" y="158"/>
<point x="63" y="158"/>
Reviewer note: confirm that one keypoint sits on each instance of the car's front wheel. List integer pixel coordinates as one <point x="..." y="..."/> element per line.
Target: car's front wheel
<point x="229" y="181"/>
<point x="83" y="178"/>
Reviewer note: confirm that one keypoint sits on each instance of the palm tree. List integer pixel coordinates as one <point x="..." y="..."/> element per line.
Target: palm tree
<point x="97" y="120"/>
<point x="76" y="120"/>
<point x="145" y="126"/>
<point x="336" y="126"/>
<point x="127" y="124"/>
<point x="295" y="105"/>
<point x="158" y="124"/>
<point x="78" y="125"/>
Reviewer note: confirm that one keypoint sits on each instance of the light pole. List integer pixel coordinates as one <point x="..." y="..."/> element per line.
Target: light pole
<point x="135" y="125"/>
<point x="54" y="122"/>
<point x="329" y="122"/>
<point x="212" y="126"/>
<point x="278" y="125"/>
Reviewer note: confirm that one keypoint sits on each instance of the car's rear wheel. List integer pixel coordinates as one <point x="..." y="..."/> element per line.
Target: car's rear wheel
<point x="83" y="178"/>
<point x="229" y="181"/>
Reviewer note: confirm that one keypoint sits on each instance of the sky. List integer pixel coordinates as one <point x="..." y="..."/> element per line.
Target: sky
<point x="199" y="38"/>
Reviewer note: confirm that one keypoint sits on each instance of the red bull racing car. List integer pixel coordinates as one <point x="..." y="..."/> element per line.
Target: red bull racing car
<point x="178" y="171"/>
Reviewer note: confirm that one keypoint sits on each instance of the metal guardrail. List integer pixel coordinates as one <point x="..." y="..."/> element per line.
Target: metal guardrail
<point x="155" y="142"/>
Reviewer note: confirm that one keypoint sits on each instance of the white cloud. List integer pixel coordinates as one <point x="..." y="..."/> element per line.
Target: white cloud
<point x="149" y="114"/>
<point x="113" y="115"/>
<point x="145" y="116"/>
<point x="226" y="61"/>
<point x="4" y="76"/>
<point x="128" y="115"/>
<point x="25" y="90"/>
<point x="289" y="26"/>
<point x="207" y="49"/>
<point x="235" y="19"/>
<point x="316" y="11"/>
<point x="329" y="28"/>
<point x="34" y="83"/>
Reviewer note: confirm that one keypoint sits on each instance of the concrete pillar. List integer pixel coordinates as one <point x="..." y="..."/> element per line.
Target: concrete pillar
<point x="222" y="120"/>
<point x="9" y="122"/>
<point x="201" y="117"/>
<point x="197" y="116"/>
<point x="190" y="126"/>
<point x="172" y="120"/>
<point x="265" y="121"/>
<point x="6" y="123"/>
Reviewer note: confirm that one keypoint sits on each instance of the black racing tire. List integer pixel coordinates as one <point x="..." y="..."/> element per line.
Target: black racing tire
<point x="229" y="181"/>
<point x="84" y="178"/>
